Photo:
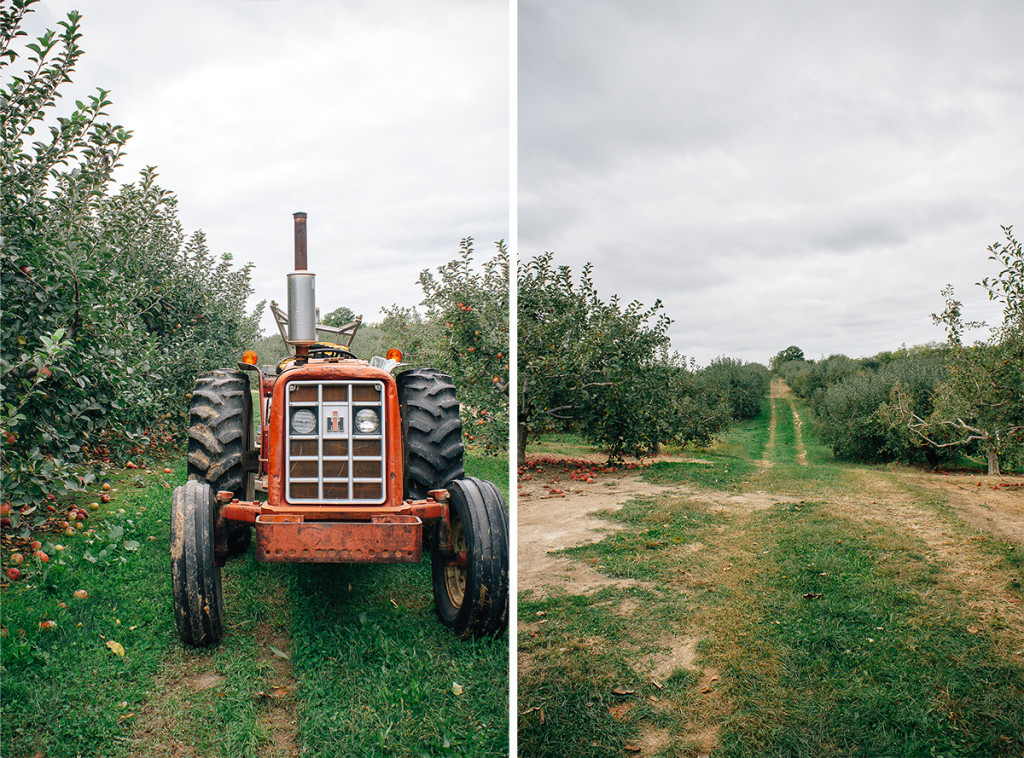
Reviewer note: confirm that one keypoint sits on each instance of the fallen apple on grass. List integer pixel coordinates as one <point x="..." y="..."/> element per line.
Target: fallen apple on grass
<point x="105" y="497"/>
<point x="81" y="594"/>
<point x="13" y="574"/>
<point x="16" y="559"/>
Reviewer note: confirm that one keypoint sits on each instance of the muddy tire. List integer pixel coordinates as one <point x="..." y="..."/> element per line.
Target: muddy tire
<point x="219" y="432"/>
<point x="473" y="601"/>
<point x="195" y="575"/>
<point x="431" y="431"/>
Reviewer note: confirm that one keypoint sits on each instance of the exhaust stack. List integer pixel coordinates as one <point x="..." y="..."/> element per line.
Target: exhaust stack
<point x="301" y="292"/>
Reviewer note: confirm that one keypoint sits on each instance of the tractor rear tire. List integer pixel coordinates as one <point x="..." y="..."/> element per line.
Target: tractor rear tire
<point x="219" y="432"/>
<point x="474" y="601"/>
<point x="195" y="575"/>
<point x="431" y="431"/>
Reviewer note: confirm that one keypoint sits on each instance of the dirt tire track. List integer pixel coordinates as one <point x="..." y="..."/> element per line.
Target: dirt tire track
<point x="801" y="451"/>
<point x="767" y="456"/>
<point x="978" y="576"/>
<point x="189" y="673"/>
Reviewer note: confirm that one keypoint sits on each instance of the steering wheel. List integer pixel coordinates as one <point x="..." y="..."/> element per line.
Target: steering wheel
<point x="330" y="350"/>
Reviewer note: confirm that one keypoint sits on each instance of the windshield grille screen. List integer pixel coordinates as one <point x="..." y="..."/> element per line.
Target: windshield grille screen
<point x="335" y="442"/>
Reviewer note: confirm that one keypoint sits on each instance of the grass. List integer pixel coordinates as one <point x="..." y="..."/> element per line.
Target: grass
<point x="65" y="692"/>
<point x="816" y="633"/>
<point x="872" y="654"/>
<point x="382" y="677"/>
<point x="566" y="444"/>
<point x="371" y="670"/>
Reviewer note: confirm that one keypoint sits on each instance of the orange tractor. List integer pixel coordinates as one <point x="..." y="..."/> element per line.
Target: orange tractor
<point x="358" y="465"/>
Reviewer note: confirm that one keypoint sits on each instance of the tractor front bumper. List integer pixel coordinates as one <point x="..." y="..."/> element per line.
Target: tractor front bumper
<point x="338" y="534"/>
<point x="382" y="539"/>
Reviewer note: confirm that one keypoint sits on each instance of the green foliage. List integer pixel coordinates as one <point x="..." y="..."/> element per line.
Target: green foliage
<point x="744" y="385"/>
<point x="109" y="312"/>
<point x="339" y="317"/>
<point x="851" y="399"/>
<point x="848" y="421"/>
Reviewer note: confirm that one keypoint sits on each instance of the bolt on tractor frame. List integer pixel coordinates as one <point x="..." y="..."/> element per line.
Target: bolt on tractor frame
<point x="358" y="464"/>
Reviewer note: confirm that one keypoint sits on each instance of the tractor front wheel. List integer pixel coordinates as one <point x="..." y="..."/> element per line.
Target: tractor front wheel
<point x="471" y="582"/>
<point x="195" y="575"/>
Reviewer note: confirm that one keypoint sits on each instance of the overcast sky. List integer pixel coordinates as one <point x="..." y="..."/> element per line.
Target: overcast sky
<point x="778" y="173"/>
<point x="387" y="122"/>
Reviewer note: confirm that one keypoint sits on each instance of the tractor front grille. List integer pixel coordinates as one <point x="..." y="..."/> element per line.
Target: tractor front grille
<point x="328" y="459"/>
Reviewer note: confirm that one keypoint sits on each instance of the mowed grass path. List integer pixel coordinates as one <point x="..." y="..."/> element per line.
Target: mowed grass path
<point x="316" y="660"/>
<point x="784" y="605"/>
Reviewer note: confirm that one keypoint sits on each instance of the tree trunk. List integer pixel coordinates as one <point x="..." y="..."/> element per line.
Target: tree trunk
<point x="993" y="461"/>
<point x="522" y="431"/>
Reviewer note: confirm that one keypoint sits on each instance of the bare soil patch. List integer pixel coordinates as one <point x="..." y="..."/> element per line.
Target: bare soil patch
<point x="993" y="504"/>
<point x="681" y="654"/>
<point x="549" y="522"/>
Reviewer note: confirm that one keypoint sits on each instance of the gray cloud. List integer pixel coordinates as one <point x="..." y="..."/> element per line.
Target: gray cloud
<point x="776" y="172"/>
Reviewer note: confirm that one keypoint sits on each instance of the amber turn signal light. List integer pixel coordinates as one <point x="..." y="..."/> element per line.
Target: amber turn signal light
<point x="250" y="357"/>
<point x="394" y="354"/>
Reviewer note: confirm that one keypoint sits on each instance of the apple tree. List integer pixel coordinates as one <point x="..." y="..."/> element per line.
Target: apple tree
<point x="603" y="368"/>
<point x="464" y="332"/>
<point x="109" y="310"/>
<point x="980" y="402"/>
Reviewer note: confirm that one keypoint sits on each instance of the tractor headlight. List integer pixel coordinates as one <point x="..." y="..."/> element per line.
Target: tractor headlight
<point x="303" y="421"/>
<point x="367" y="421"/>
